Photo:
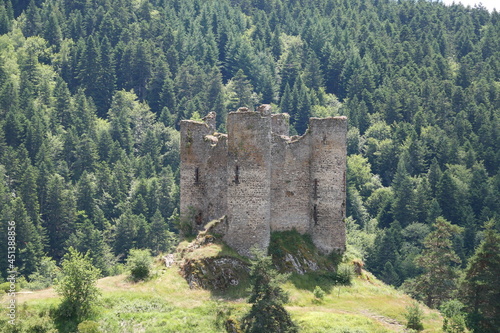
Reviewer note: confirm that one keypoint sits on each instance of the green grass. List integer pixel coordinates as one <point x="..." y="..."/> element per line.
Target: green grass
<point x="165" y="303"/>
<point x="321" y="322"/>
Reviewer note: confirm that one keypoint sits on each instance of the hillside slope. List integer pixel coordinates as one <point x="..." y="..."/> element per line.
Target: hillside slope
<point x="167" y="303"/>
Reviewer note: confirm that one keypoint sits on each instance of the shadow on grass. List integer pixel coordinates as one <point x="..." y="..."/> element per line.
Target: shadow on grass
<point x="66" y="322"/>
<point x="65" y="325"/>
<point x="308" y="281"/>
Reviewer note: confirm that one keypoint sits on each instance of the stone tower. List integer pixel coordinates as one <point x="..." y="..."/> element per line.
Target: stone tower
<point x="262" y="180"/>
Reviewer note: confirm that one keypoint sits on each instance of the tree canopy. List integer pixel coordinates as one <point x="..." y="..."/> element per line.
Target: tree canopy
<point x="92" y="92"/>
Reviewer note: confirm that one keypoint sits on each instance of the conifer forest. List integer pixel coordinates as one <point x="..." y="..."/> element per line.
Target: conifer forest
<point x="92" y="93"/>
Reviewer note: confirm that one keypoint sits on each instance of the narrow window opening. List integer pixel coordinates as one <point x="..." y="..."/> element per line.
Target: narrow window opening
<point x="315" y="214"/>
<point x="237" y="175"/>
<point x="344" y="183"/>
<point x="315" y="189"/>
<point x="196" y="175"/>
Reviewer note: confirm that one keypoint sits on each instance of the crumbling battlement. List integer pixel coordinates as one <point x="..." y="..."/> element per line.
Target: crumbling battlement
<point x="262" y="180"/>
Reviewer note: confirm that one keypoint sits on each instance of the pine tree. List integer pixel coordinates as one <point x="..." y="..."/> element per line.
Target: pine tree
<point x="126" y="233"/>
<point x="243" y="90"/>
<point x="87" y="239"/>
<point x="440" y="264"/>
<point x="106" y="81"/>
<point x="267" y="298"/>
<point x="286" y="103"/>
<point x="167" y="95"/>
<point x="479" y="287"/>
<point x="142" y="68"/>
<point x="303" y="106"/>
<point x="89" y="70"/>
<point x="33" y="23"/>
<point x="160" y="239"/>
<point x="479" y="188"/>
<point x="29" y="245"/>
<point x="313" y="75"/>
<point x="404" y="196"/>
<point x="119" y="116"/>
<point x="389" y="275"/>
<point x="59" y="214"/>
<point x="5" y="21"/>
<point x="29" y="194"/>
<point x="52" y="29"/>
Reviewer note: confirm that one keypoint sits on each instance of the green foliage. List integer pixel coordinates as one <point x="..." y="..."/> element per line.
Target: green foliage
<point x="140" y="264"/>
<point x="318" y="293"/>
<point x="88" y="239"/>
<point x="45" y="276"/>
<point x="267" y="313"/>
<point x="88" y="326"/>
<point x="454" y="317"/>
<point x="439" y="262"/>
<point x="345" y="274"/>
<point x="184" y="223"/>
<point x="479" y="286"/>
<point x="91" y="95"/>
<point x="414" y="316"/>
<point x="77" y="286"/>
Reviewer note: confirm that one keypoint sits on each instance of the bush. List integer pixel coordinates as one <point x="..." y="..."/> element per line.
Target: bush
<point x="44" y="276"/>
<point x="345" y="274"/>
<point x="140" y="263"/>
<point x="319" y="293"/>
<point x="454" y="317"/>
<point x="77" y="286"/>
<point x="414" y="317"/>
<point x="5" y="287"/>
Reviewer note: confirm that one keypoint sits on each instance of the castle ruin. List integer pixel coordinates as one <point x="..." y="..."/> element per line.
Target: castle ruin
<point x="262" y="180"/>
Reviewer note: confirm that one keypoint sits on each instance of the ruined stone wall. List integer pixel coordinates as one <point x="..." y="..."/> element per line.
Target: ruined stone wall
<point x="290" y="184"/>
<point x="249" y="181"/>
<point x="280" y="124"/>
<point x="203" y="173"/>
<point x="263" y="180"/>
<point x="328" y="192"/>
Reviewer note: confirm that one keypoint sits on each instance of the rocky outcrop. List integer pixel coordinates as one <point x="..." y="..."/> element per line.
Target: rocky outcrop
<point x="214" y="273"/>
<point x="296" y="253"/>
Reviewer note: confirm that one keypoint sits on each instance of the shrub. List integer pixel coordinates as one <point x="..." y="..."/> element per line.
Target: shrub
<point x="454" y="317"/>
<point x="77" y="286"/>
<point x="345" y="274"/>
<point x="319" y="293"/>
<point x="414" y="317"/>
<point x="140" y="263"/>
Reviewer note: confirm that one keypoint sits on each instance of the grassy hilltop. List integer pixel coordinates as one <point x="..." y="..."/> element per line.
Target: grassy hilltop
<point x="166" y="303"/>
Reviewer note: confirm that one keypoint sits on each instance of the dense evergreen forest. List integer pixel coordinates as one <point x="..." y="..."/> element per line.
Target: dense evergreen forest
<point x="92" y="92"/>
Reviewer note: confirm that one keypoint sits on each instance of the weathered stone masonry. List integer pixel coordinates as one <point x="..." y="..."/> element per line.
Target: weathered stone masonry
<point x="262" y="180"/>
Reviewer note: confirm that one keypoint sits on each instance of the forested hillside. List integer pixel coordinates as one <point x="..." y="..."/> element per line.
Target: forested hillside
<point x="92" y="92"/>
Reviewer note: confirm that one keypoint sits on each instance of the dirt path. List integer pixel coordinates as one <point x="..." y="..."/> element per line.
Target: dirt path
<point x="390" y="323"/>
